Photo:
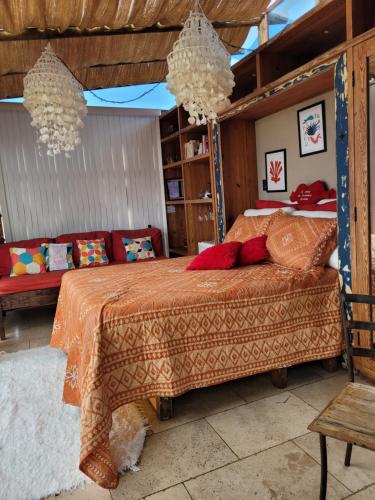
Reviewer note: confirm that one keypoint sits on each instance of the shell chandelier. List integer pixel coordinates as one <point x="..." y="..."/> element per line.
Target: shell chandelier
<point x="199" y="73"/>
<point x="55" y="101"/>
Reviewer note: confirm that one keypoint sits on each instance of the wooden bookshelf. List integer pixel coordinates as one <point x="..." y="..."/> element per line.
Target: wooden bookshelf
<point x="193" y="218"/>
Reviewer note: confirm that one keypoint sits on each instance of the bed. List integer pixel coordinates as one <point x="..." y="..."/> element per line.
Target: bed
<point x="155" y="329"/>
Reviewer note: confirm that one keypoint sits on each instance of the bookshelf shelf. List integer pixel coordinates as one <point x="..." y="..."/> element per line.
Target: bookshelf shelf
<point x="175" y="136"/>
<point x="182" y="251"/>
<point x="175" y="202"/>
<point x="193" y="219"/>
<point x="172" y="165"/>
<point x="200" y="201"/>
<point x="197" y="158"/>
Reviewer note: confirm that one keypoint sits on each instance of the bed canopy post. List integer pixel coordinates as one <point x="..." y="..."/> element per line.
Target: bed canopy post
<point x="342" y="160"/>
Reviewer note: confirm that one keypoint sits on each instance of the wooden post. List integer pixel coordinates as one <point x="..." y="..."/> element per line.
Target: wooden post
<point x="279" y="377"/>
<point x="330" y="365"/>
<point x="2" y="328"/>
<point x="263" y="32"/>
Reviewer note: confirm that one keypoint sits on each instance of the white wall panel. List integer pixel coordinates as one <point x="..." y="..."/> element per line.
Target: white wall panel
<point x="112" y="181"/>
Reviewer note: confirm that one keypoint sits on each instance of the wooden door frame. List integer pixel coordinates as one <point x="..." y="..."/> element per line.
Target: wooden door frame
<point x="361" y="269"/>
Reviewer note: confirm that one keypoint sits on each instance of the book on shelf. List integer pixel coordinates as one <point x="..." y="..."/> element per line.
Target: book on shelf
<point x="196" y="147"/>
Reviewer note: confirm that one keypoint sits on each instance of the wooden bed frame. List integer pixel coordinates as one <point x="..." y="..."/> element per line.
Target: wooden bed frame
<point x="26" y="300"/>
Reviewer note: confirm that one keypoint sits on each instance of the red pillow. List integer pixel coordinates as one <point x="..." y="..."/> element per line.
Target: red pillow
<point x="330" y="206"/>
<point x="223" y="256"/>
<point x="271" y="204"/>
<point x="308" y="194"/>
<point x="253" y="251"/>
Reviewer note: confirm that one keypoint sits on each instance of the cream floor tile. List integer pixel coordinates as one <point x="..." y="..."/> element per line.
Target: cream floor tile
<point x="320" y="393"/>
<point x="259" y="425"/>
<point x="174" y="456"/>
<point x="91" y="492"/>
<point x="197" y="404"/>
<point x="39" y="342"/>
<point x="284" y="472"/>
<point x="361" y="473"/>
<point x="177" y="492"/>
<point x="367" y="494"/>
<point x="260" y="386"/>
<point x="40" y="332"/>
<point x="14" y="345"/>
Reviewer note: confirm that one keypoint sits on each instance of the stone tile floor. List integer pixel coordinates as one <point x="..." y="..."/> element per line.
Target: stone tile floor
<point x="242" y="440"/>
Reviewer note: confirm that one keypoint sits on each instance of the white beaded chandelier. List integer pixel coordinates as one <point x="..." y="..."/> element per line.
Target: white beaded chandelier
<point x="55" y="101"/>
<point x="199" y="69"/>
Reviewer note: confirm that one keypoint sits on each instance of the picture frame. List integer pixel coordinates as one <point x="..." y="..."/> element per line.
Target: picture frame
<point x="276" y="171"/>
<point x="312" y="135"/>
<point x="175" y="189"/>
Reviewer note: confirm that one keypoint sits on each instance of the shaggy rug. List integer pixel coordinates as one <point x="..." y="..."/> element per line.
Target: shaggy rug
<point x="39" y="434"/>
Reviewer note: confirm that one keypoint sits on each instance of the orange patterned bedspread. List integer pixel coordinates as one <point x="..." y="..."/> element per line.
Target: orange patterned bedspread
<point x="154" y="329"/>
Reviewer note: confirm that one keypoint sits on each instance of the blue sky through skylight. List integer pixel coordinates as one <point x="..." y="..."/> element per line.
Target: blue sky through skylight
<point x="161" y="98"/>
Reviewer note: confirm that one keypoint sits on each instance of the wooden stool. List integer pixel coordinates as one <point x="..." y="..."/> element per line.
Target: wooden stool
<point x="350" y="417"/>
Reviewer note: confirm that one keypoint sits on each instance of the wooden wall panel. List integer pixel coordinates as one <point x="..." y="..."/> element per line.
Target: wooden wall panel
<point x="112" y="181"/>
<point x="239" y="164"/>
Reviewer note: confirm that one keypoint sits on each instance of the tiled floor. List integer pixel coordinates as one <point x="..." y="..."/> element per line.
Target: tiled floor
<point x="241" y="440"/>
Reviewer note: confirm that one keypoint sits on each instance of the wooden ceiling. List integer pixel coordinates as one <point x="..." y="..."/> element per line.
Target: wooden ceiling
<point x="108" y="43"/>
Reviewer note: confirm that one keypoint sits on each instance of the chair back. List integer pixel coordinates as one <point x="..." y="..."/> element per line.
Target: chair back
<point x="350" y="324"/>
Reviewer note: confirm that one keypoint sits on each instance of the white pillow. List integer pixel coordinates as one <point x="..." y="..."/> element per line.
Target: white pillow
<point x="326" y="200"/>
<point x="290" y="202"/>
<point x="334" y="259"/>
<point x="320" y="214"/>
<point x="252" y="212"/>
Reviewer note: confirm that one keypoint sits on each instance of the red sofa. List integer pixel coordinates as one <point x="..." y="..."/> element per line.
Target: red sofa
<point x="34" y="290"/>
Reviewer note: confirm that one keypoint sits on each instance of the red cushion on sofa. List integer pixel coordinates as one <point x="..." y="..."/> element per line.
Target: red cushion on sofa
<point x="29" y="282"/>
<point x="89" y="235"/>
<point x="253" y="251"/>
<point x="222" y="256"/>
<point x="5" y="261"/>
<point x="271" y="204"/>
<point x="330" y="206"/>
<point x="119" y="253"/>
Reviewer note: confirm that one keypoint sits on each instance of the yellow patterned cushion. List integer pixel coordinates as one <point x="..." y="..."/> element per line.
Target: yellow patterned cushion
<point x="28" y="260"/>
<point x="92" y="253"/>
<point x="301" y="242"/>
<point x="245" y="228"/>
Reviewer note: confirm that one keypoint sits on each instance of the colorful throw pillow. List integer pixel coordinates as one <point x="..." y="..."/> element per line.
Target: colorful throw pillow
<point x="138" y="249"/>
<point x="223" y="256"/>
<point x="28" y="260"/>
<point x="301" y="242"/>
<point x="59" y="256"/>
<point x="245" y="228"/>
<point x="253" y="251"/>
<point x="92" y="253"/>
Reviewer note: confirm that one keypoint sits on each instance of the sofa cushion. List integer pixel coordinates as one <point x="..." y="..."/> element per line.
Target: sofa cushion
<point x="89" y="235"/>
<point x="29" y="282"/>
<point x="5" y="261"/>
<point x="119" y="252"/>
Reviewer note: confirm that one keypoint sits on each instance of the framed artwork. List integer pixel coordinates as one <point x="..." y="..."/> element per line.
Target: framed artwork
<point x="312" y="129"/>
<point x="276" y="171"/>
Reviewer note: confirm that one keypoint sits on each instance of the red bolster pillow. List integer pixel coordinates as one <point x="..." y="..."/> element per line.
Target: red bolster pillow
<point x="222" y="256"/>
<point x="271" y="204"/>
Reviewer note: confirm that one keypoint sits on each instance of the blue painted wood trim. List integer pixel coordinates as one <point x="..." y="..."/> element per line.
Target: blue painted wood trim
<point x="342" y="158"/>
<point x="218" y="184"/>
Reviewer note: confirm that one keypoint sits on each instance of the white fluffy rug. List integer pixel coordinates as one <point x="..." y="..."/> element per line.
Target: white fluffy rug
<point x="39" y="434"/>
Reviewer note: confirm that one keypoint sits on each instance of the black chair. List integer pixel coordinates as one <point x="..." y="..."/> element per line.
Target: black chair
<point x="350" y="417"/>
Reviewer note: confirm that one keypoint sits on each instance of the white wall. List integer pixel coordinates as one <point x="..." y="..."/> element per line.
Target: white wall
<point x="279" y="131"/>
<point x="112" y="181"/>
